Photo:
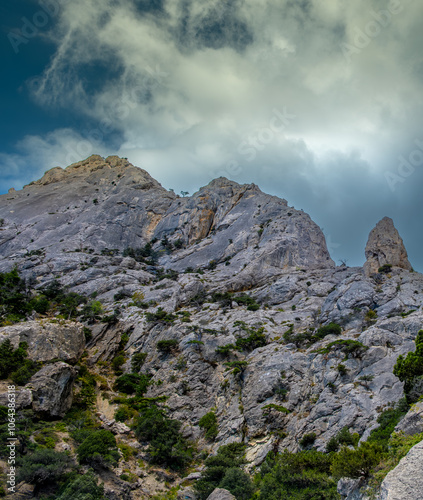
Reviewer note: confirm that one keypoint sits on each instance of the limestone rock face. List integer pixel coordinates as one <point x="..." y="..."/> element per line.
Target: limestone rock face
<point x="52" y="389"/>
<point x="412" y="423"/>
<point x="102" y="206"/>
<point x="385" y="246"/>
<point x="405" y="482"/>
<point x="47" y="340"/>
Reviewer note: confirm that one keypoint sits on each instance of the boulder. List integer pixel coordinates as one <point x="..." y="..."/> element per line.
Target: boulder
<point x="385" y="246"/>
<point x="47" y="340"/>
<point x="52" y="389"/>
<point x="221" y="494"/>
<point x="405" y="482"/>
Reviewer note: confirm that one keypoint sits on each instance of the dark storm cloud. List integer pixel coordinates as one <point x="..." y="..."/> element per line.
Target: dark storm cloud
<point x="215" y="27"/>
<point x="198" y="89"/>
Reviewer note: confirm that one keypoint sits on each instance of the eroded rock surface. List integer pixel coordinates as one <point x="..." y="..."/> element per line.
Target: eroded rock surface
<point x="52" y="389"/>
<point x="47" y="339"/>
<point x="385" y="246"/>
<point x="405" y="482"/>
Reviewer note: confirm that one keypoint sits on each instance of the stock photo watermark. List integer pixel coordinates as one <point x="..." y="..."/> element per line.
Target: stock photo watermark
<point x="257" y="141"/>
<point x="30" y="28"/>
<point x="362" y="37"/>
<point x="406" y="166"/>
<point x="11" y="439"/>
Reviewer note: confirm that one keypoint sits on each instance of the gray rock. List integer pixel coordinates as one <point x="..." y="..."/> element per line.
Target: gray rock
<point x="52" y="389"/>
<point x="220" y="494"/>
<point x="405" y="482"/>
<point x="385" y="246"/>
<point x="47" y="339"/>
<point x="350" y="489"/>
<point x="412" y="423"/>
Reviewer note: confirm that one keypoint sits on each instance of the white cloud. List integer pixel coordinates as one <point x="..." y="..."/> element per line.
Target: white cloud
<point x="184" y="102"/>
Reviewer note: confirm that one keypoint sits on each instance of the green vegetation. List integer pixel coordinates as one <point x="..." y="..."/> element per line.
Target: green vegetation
<point x="14" y="363"/>
<point x="330" y="329"/>
<point x="237" y="366"/>
<point x="167" y="346"/>
<point x="137" y="361"/>
<point x="166" y="446"/>
<point x="146" y="254"/>
<point x="132" y="383"/>
<point x="343" y="438"/>
<point x="44" y="466"/>
<point x="358" y="462"/>
<point x="351" y="348"/>
<point x="272" y="406"/>
<point x="307" y="440"/>
<point x="83" y="488"/>
<point x="310" y="337"/>
<point x="160" y="316"/>
<point x="98" y="449"/>
<point x="209" y="423"/>
<point x="228" y="457"/>
<point x="385" y="269"/>
<point x="298" y="476"/>
<point x="409" y="370"/>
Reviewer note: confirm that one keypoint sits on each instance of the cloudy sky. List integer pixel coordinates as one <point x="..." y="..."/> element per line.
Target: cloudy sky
<point x="317" y="101"/>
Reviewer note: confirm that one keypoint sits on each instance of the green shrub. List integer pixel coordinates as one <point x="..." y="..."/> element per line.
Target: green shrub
<point x="356" y="463"/>
<point x="24" y="373"/>
<point x="83" y="488"/>
<point x="410" y="368"/>
<point x="209" y="423"/>
<point x="225" y="350"/>
<point x="301" y="476"/>
<point x="331" y="329"/>
<point x="387" y="421"/>
<point x="131" y="383"/>
<point x="227" y="457"/>
<point x="124" y="413"/>
<point x="386" y="268"/>
<point x="307" y="440"/>
<point x="117" y="363"/>
<point x="349" y="347"/>
<point x="137" y="361"/>
<point x="10" y="359"/>
<point x="344" y="437"/>
<point x="253" y="341"/>
<point x="237" y="366"/>
<point x="238" y="483"/>
<point x="167" y="346"/>
<point x="44" y="466"/>
<point x="342" y="369"/>
<point x="167" y="447"/>
<point x="92" y="311"/>
<point x="266" y="409"/>
<point x="160" y="316"/>
<point x="14" y="297"/>
<point x="98" y="449"/>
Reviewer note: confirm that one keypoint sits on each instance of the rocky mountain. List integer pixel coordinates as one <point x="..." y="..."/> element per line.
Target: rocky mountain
<point x="230" y="299"/>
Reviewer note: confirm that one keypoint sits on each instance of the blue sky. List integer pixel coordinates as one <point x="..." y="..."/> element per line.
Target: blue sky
<point x="317" y="102"/>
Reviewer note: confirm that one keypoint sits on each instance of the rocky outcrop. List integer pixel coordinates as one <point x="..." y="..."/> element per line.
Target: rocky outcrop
<point x="412" y="423"/>
<point x="220" y="494"/>
<point x="385" y="247"/>
<point x="52" y="389"/>
<point x="47" y="339"/>
<point x="405" y="482"/>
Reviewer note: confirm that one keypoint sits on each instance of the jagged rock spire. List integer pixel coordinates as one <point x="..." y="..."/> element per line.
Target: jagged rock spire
<point x="385" y="246"/>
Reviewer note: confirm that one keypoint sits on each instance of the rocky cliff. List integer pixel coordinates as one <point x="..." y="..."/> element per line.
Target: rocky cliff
<point x="243" y="286"/>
